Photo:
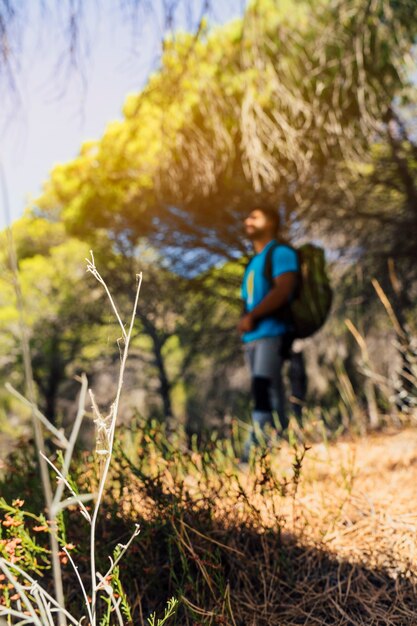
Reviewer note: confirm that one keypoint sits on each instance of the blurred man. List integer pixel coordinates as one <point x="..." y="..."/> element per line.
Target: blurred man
<point x="266" y="326"/>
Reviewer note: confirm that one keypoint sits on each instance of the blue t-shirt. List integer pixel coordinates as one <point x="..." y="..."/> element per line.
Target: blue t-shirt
<point x="255" y="287"/>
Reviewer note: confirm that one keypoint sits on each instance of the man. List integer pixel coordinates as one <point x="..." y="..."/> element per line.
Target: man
<point x="265" y="332"/>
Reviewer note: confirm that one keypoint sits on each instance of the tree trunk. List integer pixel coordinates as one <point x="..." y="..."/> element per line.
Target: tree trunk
<point x="165" y="386"/>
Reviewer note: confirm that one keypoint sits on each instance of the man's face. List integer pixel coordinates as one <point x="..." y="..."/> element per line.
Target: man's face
<point x="257" y="225"/>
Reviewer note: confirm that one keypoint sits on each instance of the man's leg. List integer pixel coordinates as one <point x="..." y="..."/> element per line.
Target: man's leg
<point x="265" y="360"/>
<point x="259" y="417"/>
<point x="277" y="391"/>
<point x="298" y="381"/>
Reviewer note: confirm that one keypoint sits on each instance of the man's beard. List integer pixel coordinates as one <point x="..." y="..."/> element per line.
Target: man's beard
<point x="255" y="233"/>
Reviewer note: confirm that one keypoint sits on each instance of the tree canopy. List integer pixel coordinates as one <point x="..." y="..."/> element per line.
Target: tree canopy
<point x="266" y="109"/>
<point x="61" y="307"/>
<point x="300" y="105"/>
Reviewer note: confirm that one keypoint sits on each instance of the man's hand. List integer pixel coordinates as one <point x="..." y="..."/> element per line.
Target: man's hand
<point x="246" y="324"/>
<point x="279" y="295"/>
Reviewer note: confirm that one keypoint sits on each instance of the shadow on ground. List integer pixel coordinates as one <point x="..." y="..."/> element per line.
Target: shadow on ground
<point x="222" y="571"/>
<point x="261" y="579"/>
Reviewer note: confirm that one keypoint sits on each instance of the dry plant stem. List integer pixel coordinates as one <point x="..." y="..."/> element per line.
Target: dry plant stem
<point x="91" y="267"/>
<point x="81" y="498"/>
<point x="66" y="483"/>
<point x="44" y="608"/>
<point x="20" y="590"/>
<point x="6" y="565"/>
<point x="388" y="307"/>
<point x="369" y="382"/>
<point x="77" y="573"/>
<point x="38" y="415"/>
<point x="121" y="555"/>
<point x="44" y="604"/>
<point x="229" y="605"/>
<point x="70" y="448"/>
<point x="116" y="604"/>
<point x="30" y="394"/>
<point x="114" y="413"/>
<point x="25" y="619"/>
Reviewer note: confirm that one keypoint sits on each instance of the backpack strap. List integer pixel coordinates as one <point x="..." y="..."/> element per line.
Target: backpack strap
<point x="268" y="263"/>
<point x="284" y="313"/>
<point x="268" y="269"/>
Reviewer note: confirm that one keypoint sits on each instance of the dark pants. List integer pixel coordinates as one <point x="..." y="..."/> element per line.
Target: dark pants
<point x="266" y="358"/>
<point x="298" y="382"/>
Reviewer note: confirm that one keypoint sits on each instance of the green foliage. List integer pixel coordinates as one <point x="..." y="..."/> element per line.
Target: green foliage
<point x="20" y="533"/>
<point x="291" y="105"/>
<point x="117" y="585"/>
<point x="61" y="308"/>
<point x="69" y="328"/>
<point x="119" y="596"/>
<point x="33" y="235"/>
<point x="267" y="106"/>
<point x="169" y="612"/>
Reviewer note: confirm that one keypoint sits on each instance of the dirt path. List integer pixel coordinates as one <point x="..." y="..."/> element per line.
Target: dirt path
<point x="360" y="499"/>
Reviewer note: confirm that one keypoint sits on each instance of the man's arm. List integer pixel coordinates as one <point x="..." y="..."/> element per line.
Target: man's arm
<point x="280" y="294"/>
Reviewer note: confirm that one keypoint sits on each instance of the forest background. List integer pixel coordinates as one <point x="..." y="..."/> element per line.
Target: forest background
<point x="306" y="106"/>
<point x="308" y="109"/>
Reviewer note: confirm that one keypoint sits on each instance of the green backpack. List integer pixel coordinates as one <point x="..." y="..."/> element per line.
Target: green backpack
<point x="313" y="297"/>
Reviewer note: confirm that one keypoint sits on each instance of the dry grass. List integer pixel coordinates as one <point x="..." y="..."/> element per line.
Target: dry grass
<point x="373" y="483"/>
<point x="263" y="547"/>
<point x="333" y="544"/>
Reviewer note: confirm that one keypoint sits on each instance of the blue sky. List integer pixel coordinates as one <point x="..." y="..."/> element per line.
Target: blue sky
<point x="58" y="106"/>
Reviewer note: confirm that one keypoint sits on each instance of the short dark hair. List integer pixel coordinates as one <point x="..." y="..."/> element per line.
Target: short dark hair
<point x="271" y="215"/>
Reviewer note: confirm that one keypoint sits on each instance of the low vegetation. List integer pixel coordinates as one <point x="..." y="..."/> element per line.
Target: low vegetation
<point x="300" y="537"/>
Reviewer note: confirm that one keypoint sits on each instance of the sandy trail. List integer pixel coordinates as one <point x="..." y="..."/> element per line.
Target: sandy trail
<point x="359" y="498"/>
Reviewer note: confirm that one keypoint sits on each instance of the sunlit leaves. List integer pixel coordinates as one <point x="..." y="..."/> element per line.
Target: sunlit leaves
<point x="262" y="108"/>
